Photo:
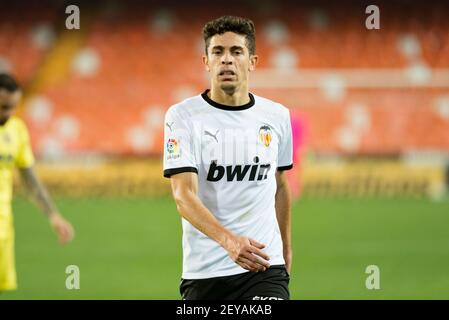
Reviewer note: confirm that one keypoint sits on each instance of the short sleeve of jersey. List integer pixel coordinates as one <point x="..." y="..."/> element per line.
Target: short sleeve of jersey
<point x="285" y="153"/>
<point x="179" y="149"/>
<point x="24" y="157"/>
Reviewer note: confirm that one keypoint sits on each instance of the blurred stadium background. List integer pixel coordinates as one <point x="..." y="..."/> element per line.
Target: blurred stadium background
<point x="372" y="113"/>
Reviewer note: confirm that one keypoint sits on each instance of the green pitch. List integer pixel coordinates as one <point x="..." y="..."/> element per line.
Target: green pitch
<point x="131" y="249"/>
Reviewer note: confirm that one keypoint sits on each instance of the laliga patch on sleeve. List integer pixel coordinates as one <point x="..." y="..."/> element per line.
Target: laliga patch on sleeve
<point x="173" y="151"/>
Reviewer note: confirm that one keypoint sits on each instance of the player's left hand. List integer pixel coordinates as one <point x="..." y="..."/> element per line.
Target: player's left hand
<point x="62" y="227"/>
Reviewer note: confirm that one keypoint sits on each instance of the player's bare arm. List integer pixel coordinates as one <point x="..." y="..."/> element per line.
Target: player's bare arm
<point x="39" y="194"/>
<point x="244" y="251"/>
<point x="283" y="215"/>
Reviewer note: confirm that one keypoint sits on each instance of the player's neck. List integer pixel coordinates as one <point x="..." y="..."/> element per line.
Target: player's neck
<point x="237" y="98"/>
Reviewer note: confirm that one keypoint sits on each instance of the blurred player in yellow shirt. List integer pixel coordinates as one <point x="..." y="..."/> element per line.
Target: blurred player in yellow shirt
<point x="15" y="151"/>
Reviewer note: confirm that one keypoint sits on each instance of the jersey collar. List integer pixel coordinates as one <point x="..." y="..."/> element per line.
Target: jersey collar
<point x="226" y="107"/>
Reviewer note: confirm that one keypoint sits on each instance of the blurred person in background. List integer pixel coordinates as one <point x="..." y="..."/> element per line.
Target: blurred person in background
<point x="15" y="151"/>
<point x="294" y="176"/>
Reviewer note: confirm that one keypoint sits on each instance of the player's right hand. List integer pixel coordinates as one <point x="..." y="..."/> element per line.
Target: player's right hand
<point x="62" y="227"/>
<point x="248" y="254"/>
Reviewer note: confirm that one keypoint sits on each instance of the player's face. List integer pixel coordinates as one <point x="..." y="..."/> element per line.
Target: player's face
<point x="8" y="101"/>
<point x="229" y="61"/>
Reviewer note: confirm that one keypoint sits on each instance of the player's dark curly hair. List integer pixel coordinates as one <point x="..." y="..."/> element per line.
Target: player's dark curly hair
<point x="234" y="24"/>
<point x="8" y="83"/>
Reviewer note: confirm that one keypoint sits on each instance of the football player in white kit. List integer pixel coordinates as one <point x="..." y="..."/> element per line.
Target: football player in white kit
<point x="226" y="151"/>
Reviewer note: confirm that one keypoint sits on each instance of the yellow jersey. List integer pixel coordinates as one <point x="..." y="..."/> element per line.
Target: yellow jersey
<point x="15" y="151"/>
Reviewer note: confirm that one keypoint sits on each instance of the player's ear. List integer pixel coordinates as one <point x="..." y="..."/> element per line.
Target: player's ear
<point x="206" y="63"/>
<point x="253" y="59"/>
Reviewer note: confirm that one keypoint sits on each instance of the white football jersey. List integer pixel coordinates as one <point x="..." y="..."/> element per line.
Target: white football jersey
<point x="235" y="151"/>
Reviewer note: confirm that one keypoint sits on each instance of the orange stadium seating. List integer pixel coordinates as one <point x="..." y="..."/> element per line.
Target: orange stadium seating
<point x="147" y="57"/>
<point x="24" y="37"/>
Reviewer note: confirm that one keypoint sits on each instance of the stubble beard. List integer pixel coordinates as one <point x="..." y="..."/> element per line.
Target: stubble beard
<point x="229" y="89"/>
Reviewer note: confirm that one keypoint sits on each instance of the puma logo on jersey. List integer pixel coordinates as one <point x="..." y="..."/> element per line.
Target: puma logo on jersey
<point x="238" y="172"/>
<point x="169" y="125"/>
<point x="207" y="133"/>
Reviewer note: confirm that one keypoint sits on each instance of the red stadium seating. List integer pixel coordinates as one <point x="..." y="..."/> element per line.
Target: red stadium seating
<point x="140" y="68"/>
<point x="17" y="47"/>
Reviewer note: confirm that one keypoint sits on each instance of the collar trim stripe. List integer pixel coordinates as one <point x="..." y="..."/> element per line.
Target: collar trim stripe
<point x="226" y="107"/>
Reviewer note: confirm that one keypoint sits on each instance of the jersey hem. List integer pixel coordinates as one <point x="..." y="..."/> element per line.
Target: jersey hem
<point x="197" y="275"/>
<point x="170" y="172"/>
